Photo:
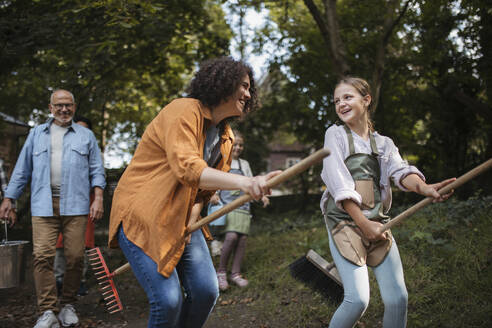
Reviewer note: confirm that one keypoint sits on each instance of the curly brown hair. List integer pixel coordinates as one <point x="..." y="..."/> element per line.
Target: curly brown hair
<point x="218" y="79"/>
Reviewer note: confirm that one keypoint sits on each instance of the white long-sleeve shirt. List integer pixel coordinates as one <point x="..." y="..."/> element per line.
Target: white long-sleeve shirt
<point x="336" y="176"/>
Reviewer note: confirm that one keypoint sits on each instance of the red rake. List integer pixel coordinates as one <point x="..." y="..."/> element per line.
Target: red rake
<point x="106" y="278"/>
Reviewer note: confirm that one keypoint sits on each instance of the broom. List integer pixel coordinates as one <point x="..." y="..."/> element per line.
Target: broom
<point x="105" y="277"/>
<point x="323" y="276"/>
<point x="318" y="274"/>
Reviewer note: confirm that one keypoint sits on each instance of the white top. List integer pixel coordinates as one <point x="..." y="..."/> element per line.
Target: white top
<point x="57" y="132"/>
<point x="340" y="184"/>
<point x="244" y="166"/>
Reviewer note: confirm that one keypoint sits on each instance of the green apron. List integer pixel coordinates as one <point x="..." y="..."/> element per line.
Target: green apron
<point x="348" y="238"/>
<point x="238" y="220"/>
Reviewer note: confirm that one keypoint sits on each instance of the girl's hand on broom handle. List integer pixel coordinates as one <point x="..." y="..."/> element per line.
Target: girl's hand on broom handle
<point x="414" y="183"/>
<point x="372" y="230"/>
<point x="434" y="188"/>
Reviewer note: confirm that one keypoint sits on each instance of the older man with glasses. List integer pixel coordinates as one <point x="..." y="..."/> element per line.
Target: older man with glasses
<point x="63" y="162"/>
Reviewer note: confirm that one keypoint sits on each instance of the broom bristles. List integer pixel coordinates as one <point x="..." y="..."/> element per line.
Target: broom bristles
<point x="321" y="281"/>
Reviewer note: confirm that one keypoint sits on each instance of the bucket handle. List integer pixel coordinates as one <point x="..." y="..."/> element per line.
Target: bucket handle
<point x="6" y="235"/>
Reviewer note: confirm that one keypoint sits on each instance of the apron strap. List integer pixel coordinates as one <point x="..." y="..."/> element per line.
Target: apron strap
<point x="350" y="140"/>
<point x="374" y="147"/>
<point x="350" y="137"/>
<point x="242" y="173"/>
<point x="240" y="168"/>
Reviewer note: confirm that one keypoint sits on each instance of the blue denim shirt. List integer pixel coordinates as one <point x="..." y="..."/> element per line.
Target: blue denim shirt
<point x="82" y="169"/>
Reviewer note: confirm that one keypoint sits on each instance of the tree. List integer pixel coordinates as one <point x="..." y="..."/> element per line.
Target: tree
<point x="424" y="59"/>
<point x="123" y="60"/>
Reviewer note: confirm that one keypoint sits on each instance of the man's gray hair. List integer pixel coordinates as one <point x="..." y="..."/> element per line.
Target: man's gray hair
<point x="71" y="94"/>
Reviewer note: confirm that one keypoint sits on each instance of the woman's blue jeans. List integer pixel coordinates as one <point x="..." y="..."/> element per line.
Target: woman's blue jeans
<point x="389" y="275"/>
<point x="170" y="305"/>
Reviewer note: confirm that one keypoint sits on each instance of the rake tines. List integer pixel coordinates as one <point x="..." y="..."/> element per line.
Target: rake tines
<point x="105" y="280"/>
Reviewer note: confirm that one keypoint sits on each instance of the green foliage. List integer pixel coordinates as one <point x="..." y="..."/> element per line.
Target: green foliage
<point x="435" y="99"/>
<point x="123" y="60"/>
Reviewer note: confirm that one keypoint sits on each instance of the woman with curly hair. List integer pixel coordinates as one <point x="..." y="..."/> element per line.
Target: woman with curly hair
<point x="180" y="162"/>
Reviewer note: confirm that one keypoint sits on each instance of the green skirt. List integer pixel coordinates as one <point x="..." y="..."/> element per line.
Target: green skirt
<point x="238" y="221"/>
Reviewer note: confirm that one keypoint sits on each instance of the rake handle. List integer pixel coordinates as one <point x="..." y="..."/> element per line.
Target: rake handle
<point x="121" y="269"/>
<point x="426" y="201"/>
<point x="276" y="180"/>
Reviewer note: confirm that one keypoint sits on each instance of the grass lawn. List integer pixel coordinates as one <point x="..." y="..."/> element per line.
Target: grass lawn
<point x="446" y="251"/>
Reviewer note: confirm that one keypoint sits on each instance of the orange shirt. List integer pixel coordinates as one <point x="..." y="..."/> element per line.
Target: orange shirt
<point x="155" y="194"/>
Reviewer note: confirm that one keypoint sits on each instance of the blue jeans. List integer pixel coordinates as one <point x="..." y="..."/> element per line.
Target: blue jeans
<point x="389" y="275"/>
<point x="195" y="273"/>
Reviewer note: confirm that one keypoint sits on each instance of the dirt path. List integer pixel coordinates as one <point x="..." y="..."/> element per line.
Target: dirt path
<point x="18" y="305"/>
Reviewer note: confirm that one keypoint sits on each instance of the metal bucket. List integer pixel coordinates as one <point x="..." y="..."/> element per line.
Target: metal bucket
<point x="12" y="263"/>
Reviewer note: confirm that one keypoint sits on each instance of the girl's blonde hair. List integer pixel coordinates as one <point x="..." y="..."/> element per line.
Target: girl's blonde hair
<point x="364" y="89"/>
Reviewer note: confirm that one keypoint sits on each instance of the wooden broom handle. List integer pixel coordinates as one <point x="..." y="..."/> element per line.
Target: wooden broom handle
<point x="285" y="175"/>
<point x="121" y="269"/>
<point x="276" y="180"/>
<point x="453" y="185"/>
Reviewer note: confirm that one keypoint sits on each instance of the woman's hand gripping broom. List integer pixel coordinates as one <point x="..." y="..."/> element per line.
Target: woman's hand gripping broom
<point x="105" y="277"/>
<point x="323" y="276"/>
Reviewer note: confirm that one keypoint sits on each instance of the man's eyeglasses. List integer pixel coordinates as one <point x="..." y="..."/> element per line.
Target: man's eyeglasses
<point x="60" y="106"/>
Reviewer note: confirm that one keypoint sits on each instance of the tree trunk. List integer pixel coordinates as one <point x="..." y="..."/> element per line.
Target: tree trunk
<point x="388" y="27"/>
<point x="330" y="31"/>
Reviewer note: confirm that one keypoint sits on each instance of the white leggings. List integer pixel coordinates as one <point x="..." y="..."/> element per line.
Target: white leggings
<point x="389" y="275"/>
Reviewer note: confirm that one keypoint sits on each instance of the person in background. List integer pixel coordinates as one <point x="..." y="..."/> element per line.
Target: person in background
<point x="217" y="226"/>
<point x="358" y="195"/>
<point x="63" y="162"/>
<point x="237" y="222"/>
<point x="181" y="160"/>
<point x="60" y="261"/>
